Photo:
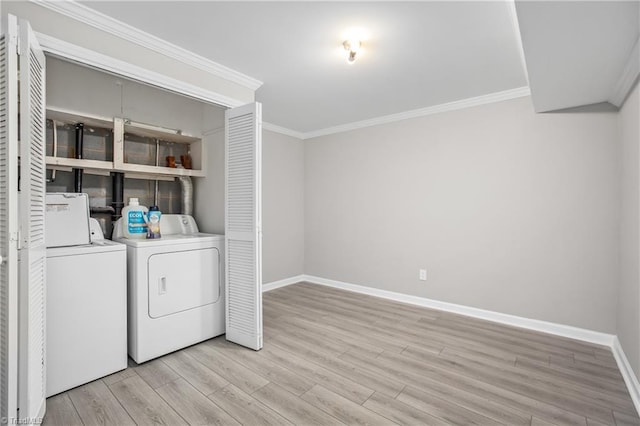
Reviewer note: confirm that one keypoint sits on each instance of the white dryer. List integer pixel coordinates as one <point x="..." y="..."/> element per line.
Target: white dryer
<point x="175" y="288"/>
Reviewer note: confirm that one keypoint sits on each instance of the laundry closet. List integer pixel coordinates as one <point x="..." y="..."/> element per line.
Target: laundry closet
<point x="148" y="127"/>
<point x="83" y="135"/>
<point x="112" y="141"/>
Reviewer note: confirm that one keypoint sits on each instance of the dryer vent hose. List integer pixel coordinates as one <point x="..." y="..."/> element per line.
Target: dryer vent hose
<point x="187" y="195"/>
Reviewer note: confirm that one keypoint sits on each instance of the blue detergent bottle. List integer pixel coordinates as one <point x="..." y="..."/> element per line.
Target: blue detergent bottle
<point x="134" y="220"/>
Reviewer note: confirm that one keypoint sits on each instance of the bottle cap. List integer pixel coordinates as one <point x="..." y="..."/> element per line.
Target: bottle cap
<point x="134" y="202"/>
<point x="154" y="209"/>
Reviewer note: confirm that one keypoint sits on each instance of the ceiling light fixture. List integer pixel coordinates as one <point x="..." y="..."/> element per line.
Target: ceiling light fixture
<point x="353" y="47"/>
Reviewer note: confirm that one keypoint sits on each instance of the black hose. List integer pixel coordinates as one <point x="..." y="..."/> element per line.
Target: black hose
<point x="77" y="173"/>
<point x="117" y="197"/>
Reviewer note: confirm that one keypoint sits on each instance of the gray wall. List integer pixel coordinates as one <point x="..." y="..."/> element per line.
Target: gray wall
<point x="282" y="206"/>
<point x="508" y="210"/>
<point x="629" y="293"/>
<point x="208" y="196"/>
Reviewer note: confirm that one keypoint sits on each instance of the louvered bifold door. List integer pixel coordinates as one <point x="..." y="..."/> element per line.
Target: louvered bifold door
<point x="243" y="221"/>
<point x="32" y="208"/>
<point x="9" y="220"/>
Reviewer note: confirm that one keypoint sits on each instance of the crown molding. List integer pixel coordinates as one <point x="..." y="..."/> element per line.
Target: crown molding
<point x="89" y="57"/>
<point x="436" y="109"/>
<point x="629" y="75"/>
<point x="95" y="19"/>
<point x="283" y="130"/>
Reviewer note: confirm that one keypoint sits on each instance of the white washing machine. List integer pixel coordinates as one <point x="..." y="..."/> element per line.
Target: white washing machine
<point x="86" y="296"/>
<point x="175" y="288"/>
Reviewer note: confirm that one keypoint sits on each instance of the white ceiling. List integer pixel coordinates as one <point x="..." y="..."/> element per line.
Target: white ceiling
<point x="416" y="54"/>
<point x="577" y="52"/>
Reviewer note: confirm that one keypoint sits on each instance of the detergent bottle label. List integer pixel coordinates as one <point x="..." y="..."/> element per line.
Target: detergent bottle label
<point x="153" y="224"/>
<point x="136" y="223"/>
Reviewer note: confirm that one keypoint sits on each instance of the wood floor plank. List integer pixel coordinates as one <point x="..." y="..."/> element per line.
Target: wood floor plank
<point x="354" y="306"/>
<point x="143" y="404"/>
<point x="393" y="309"/>
<point x="307" y="311"/>
<point x="445" y="410"/>
<point x="226" y="367"/>
<point x="593" y="359"/>
<point x="457" y="343"/>
<point x="329" y="345"/>
<point x="509" y="344"/>
<point x="366" y="328"/>
<point x="246" y="409"/>
<point x="258" y="363"/>
<point x="387" y="386"/>
<point x="156" y="373"/>
<point x="338" y="311"/>
<point x="570" y="345"/>
<point x="344" y="327"/>
<point x="473" y="354"/>
<point x="400" y="412"/>
<point x="192" y="405"/>
<point x="478" y="403"/>
<point x="96" y="405"/>
<point x="602" y="371"/>
<point x="199" y="376"/>
<point x="506" y="378"/>
<point x="623" y="419"/>
<point x="319" y="329"/>
<point x="305" y="288"/>
<point x="539" y="422"/>
<point x="343" y="409"/>
<point x="293" y="407"/>
<point x="120" y="375"/>
<point x="316" y="374"/>
<point x="422" y="375"/>
<point x="605" y="354"/>
<point x="565" y="373"/>
<point x="61" y="412"/>
<point x="596" y="394"/>
<point x="591" y="422"/>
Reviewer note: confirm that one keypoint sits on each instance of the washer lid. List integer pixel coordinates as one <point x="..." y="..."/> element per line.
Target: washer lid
<point x="173" y="239"/>
<point x="101" y="246"/>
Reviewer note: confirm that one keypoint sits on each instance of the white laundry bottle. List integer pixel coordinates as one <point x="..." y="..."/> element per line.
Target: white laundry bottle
<point x="133" y="223"/>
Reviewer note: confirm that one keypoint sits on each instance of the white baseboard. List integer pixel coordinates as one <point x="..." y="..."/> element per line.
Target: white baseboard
<point x="585" y="335"/>
<point x="282" y="283"/>
<point x="627" y="372"/>
<point x="531" y="324"/>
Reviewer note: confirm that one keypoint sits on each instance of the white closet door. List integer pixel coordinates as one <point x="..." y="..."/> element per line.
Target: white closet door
<point x="32" y="205"/>
<point x="9" y="221"/>
<point x="243" y="222"/>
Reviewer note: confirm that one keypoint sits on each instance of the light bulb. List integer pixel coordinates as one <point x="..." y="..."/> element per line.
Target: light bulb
<point x="353" y="47"/>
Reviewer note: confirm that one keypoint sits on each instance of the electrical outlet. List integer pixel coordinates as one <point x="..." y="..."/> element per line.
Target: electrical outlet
<point x="422" y="274"/>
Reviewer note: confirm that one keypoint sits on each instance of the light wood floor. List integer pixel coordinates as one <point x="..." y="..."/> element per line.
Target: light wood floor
<point x="333" y="357"/>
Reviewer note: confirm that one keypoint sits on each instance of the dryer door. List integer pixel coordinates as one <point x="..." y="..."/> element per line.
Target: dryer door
<point x="183" y="280"/>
